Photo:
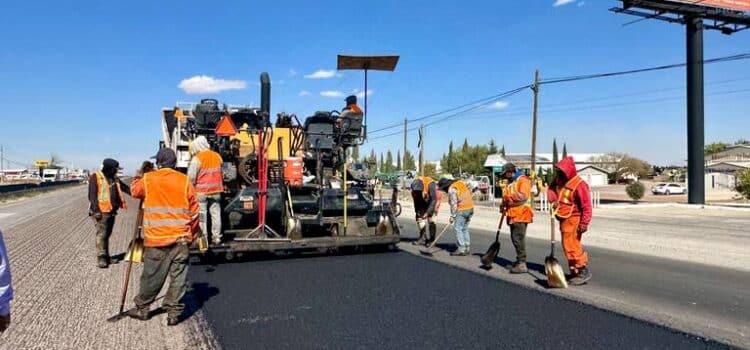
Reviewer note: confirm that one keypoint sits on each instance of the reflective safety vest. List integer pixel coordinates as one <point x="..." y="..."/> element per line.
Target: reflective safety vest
<point x="209" y="180"/>
<point x="166" y="209"/>
<point x="565" y="204"/>
<point x="465" y="200"/>
<point x="524" y="212"/>
<point x="426" y="181"/>
<point x="354" y="108"/>
<point x="105" y="202"/>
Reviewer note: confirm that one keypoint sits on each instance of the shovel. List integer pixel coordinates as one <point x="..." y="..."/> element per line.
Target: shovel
<point x="492" y="251"/>
<point x="430" y="251"/>
<point x="552" y="268"/>
<point x="134" y="253"/>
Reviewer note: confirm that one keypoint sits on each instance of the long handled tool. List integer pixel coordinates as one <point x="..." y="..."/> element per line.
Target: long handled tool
<point x="552" y="268"/>
<point x="494" y="249"/>
<point x="132" y="252"/>
<point x="430" y="251"/>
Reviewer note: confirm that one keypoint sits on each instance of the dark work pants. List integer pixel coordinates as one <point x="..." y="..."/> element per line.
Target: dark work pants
<point x="103" y="231"/>
<point x="518" y="237"/>
<point x="157" y="264"/>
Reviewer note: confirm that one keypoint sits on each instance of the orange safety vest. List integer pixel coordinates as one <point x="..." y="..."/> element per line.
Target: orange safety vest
<point x="354" y="108"/>
<point x="105" y="203"/>
<point x="565" y="204"/>
<point x="465" y="200"/>
<point x="209" y="180"/>
<point x="521" y="213"/>
<point x="166" y="209"/>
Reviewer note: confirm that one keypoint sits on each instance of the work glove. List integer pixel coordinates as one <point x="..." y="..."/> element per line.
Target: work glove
<point x="4" y="322"/>
<point x="582" y="229"/>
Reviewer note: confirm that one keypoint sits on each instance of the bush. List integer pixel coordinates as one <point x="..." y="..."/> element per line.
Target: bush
<point x="635" y="191"/>
<point x="742" y="184"/>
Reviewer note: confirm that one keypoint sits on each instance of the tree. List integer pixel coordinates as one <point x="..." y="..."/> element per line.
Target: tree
<point x="492" y="147"/>
<point x="381" y="166"/>
<point x="621" y="164"/>
<point x="555" y="158"/>
<point x="635" y="191"/>
<point x="502" y="150"/>
<point x="430" y="170"/>
<point x="742" y="183"/>
<point x="715" y="147"/>
<point x="388" y="165"/>
<point x="355" y="154"/>
<point x="565" y="150"/>
<point x="409" y="162"/>
<point x="398" y="160"/>
<point x="742" y="142"/>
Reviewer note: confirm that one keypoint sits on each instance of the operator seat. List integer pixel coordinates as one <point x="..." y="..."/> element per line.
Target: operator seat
<point x="350" y="127"/>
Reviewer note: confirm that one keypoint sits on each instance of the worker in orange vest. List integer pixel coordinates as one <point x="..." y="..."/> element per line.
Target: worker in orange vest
<point x="351" y="105"/>
<point x="349" y="113"/>
<point x="105" y="199"/>
<point x="462" y="209"/>
<point x="571" y="199"/>
<point x="205" y="173"/>
<point x="424" y="193"/>
<point x="170" y="220"/>
<point x="518" y="207"/>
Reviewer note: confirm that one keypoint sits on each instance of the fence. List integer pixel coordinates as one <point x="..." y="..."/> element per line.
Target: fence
<point x="544" y="204"/>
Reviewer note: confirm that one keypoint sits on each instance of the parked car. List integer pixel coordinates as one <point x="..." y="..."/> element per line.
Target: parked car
<point x="668" y="188"/>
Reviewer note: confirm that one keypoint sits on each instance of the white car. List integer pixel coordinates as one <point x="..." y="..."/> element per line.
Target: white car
<point x="668" y="188"/>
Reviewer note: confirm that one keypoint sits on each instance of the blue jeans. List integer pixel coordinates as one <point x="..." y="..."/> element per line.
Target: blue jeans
<point x="461" y="226"/>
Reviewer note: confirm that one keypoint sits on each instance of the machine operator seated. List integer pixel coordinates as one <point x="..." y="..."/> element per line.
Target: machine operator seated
<point x="350" y="120"/>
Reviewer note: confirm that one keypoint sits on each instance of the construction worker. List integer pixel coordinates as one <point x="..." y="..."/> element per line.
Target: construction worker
<point x="424" y="194"/>
<point x="351" y="105"/>
<point x="517" y="205"/>
<point x="6" y="288"/>
<point x="205" y="174"/>
<point x="571" y="200"/>
<point x="170" y="220"/>
<point x="105" y="199"/>
<point x="462" y="209"/>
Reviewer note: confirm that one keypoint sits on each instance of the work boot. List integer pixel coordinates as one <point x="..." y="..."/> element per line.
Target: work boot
<point x="138" y="314"/>
<point x="519" y="267"/>
<point x="460" y="252"/>
<point x="581" y="277"/>
<point x="173" y="320"/>
<point x="420" y="241"/>
<point x="102" y="261"/>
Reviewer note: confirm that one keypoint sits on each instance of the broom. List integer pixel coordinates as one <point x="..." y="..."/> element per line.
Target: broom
<point x="494" y="249"/>
<point x="429" y="251"/>
<point x="552" y="268"/>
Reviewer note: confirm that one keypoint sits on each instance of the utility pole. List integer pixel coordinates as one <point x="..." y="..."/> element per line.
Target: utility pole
<point x="2" y="163"/>
<point x="403" y="161"/>
<point x="695" y="124"/>
<point x="421" y="149"/>
<point x="535" y="88"/>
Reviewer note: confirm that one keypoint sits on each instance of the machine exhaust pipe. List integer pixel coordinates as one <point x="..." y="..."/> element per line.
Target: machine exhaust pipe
<point x="265" y="94"/>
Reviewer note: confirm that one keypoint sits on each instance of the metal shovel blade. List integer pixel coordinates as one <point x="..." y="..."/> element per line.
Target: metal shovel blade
<point x="490" y="255"/>
<point x="135" y="251"/>
<point x="554" y="272"/>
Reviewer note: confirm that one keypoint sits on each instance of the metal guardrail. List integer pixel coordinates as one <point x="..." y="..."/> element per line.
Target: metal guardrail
<point x="31" y="187"/>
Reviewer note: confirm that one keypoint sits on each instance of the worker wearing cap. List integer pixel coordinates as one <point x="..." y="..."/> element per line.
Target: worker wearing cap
<point x="424" y="194"/>
<point x="351" y="105"/>
<point x="571" y="200"/>
<point x="462" y="209"/>
<point x="349" y="113"/>
<point x="105" y="199"/>
<point x="6" y="288"/>
<point x="205" y="174"/>
<point x="518" y="208"/>
<point x="170" y="219"/>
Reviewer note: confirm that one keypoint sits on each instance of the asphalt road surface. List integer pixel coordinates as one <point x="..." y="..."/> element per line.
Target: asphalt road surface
<point x="400" y="301"/>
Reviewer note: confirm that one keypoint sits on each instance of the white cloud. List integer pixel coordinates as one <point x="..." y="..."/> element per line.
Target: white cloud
<point x="361" y="94"/>
<point x="304" y="93"/>
<point x="331" y="93"/>
<point x="204" y="84"/>
<point x="322" y="74"/>
<point x="498" y="105"/>
<point x="292" y="73"/>
<point x="563" y="2"/>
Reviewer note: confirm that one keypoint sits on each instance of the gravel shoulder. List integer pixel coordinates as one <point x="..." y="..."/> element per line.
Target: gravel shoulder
<point x="62" y="300"/>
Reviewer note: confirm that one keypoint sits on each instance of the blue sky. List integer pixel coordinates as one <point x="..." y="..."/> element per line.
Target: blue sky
<point x="87" y="79"/>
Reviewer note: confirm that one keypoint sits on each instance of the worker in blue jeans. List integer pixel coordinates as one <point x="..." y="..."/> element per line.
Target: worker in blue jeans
<point x="6" y="289"/>
<point x="462" y="209"/>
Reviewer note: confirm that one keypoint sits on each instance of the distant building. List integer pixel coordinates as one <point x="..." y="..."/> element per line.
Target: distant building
<point x="14" y="174"/>
<point x="721" y="166"/>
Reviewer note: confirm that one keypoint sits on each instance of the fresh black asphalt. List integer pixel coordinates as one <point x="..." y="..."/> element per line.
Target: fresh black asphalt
<point x="400" y="301"/>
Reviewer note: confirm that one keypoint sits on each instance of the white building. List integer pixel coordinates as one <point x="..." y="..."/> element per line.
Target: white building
<point x="721" y="166"/>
